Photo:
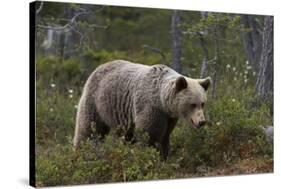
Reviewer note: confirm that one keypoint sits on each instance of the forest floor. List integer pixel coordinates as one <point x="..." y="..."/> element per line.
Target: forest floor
<point x="240" y="167"/>
<point x="245" y="166"/>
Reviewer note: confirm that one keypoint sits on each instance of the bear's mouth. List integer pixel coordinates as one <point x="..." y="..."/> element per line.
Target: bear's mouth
<point x="193" y="124"/>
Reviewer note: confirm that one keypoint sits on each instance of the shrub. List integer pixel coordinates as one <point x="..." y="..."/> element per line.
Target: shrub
<point x="233" y="133"/>
<point x="110" y="161"/>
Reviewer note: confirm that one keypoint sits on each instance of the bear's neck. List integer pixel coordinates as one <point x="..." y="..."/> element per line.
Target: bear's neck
<point x="167" y="95"/>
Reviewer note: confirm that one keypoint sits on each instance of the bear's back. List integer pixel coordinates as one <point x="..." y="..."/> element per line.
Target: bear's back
<point x="121" y="89"/>
<point x="112" y="85"/>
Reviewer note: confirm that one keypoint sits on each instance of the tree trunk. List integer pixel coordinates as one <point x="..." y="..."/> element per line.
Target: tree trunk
<point x="264" y="84"/>
<point x="217" y="60"/>
<point x="206" y="56"/>
<point x="252" y="40"/>
<point x="176" y="41"/>
<point x="203" y="44"/>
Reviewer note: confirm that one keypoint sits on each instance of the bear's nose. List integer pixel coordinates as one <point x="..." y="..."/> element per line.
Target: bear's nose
<point x="201" y="123"/>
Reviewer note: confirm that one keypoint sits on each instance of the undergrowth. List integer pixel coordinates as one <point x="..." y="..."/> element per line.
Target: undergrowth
<point x="232" y="138"/>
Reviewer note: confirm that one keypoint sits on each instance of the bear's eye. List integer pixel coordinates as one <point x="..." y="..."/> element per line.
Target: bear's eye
<point x="193" y="105"/>
<point x="203" y="104"/>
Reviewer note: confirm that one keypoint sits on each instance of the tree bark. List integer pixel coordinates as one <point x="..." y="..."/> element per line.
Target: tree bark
<point x="204" y="47"/>
<point x="264" y="84"/>
<point x="206" y="56"/>
<point x="217" y="60"/>
<point x="252" y="40"/>
<point x="176" y="41"/>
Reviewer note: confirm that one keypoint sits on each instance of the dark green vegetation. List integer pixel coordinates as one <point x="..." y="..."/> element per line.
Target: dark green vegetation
<point x="231" y="143"/>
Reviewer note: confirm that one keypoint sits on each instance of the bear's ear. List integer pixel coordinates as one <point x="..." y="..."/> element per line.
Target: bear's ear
<point x="205" y="83"/>
<point x="181" y="84"/>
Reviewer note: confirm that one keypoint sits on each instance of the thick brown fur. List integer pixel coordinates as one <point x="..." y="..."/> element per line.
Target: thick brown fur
<point x="121" y="93"/>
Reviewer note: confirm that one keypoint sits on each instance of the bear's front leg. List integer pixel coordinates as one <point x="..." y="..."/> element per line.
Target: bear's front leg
<point x="155" y="123"/>
<point x="129" y="135"/>
<point x="165" y="143"/>
<point x="165" y="147"/>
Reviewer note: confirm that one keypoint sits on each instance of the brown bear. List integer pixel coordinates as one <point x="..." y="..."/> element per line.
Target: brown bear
<point x="121" y="93"/>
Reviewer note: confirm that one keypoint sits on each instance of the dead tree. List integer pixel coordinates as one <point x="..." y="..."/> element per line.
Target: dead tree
<point x="264" y="84"/>
<point x="176" y="41"/>
<point x="252" y="39"/>
<point x="206" y="55"/>
<point x="64" y="35"/>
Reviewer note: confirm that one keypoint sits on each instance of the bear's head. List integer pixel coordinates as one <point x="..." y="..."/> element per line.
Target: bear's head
<point x="190" y="98"/>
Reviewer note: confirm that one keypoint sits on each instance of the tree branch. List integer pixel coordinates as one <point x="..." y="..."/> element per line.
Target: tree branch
<point x="156" y="50"/>
<point x="71" y="21"/>
<point x="71" y="24"/>
<point x="40" y="7"/>
<point x="54" y="27"/>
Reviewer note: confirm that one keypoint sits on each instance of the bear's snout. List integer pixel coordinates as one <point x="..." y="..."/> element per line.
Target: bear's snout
<point x="198" y="119"/>
<point x="201" y="123"/>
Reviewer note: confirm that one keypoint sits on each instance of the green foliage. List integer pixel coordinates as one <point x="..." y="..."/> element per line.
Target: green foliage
<point x="233" y="134"/>
<point x="110" y="161"/>
<point x="74" y="71"/>
<point x="56" y="115"/>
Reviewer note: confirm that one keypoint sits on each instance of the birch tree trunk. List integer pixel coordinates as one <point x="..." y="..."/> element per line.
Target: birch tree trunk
<point x="217" y="61"/>
<point x="176" y="41"/>
<point x="204" y="47"/>
<point x="264" y="84"/>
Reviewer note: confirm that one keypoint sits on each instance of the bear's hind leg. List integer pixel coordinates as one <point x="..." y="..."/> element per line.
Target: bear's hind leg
<point x="84" y="119"/>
